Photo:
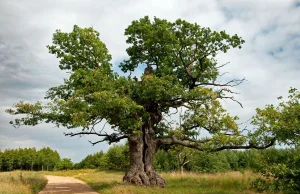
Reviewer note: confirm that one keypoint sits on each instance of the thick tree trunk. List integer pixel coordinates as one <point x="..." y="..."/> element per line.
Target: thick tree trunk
<point x="142" y="150"/>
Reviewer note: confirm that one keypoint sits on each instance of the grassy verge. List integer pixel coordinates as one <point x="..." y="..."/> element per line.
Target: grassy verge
<point x="192" y="183"/>
<point x="73" y="173"/>
<point x="20" y="182"/>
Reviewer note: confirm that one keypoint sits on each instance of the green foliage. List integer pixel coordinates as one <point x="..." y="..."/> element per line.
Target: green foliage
<point x="211" y="162"/>
<point x="233" y="159"/>
<point x="117" y="157"/>
<point x="227" y="160"/>
<point x="28" y="159"/>
<point x="92" y="161"/>
<point x="166" y="161"/>
<point x="180" y="69"/>
<point x="64" y="164"/>
<point x="250" y="159"/>
<point x="48" y="158"/>
<point x="283" y="123"/>
<point x="81" y="48"/>
<point x="158" y="42"/>
<point x="281" y="172"/>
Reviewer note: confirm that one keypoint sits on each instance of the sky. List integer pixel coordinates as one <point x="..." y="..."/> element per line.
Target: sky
<point x="269" y="60"/>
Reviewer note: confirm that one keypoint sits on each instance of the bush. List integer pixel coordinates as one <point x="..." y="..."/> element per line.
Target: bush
<point x="117" y="158"/>
<point x="211" y="162"/>
<point x="282" y="175"/>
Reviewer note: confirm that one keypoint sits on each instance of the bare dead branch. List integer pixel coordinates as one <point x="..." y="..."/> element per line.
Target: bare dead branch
<point x="232" y="83"/>
<point x="226" y="90"/>
<point x="96" y="142"/>
<point x="223" y="65"/>
<point x="110" y="138"/>
<point x="103" y="127"/>
<point x="232" y="98"/>
<point x="223" y="73"/>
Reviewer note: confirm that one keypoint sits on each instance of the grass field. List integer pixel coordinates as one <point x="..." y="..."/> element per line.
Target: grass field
<point x="18" y="182"/>
<point x="111" y="182"/>
<point x="191" y="183"/>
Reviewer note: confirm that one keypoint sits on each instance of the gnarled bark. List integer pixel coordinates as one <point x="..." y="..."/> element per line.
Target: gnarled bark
<point x="142" y="150"/>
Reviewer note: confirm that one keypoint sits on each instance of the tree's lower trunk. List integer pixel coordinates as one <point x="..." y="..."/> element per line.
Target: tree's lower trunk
<point x="181" y="169"/>
<point x="142" y="150"/>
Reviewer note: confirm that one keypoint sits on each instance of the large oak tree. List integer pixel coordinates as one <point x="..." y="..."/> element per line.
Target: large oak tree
<point x="180" y="71"/>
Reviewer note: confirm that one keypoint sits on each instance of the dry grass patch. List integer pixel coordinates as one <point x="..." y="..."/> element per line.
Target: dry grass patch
<point x="106" y="182"/>
<point x="20" y="182"/>
<point x="192" y="183"/>
<point x="72" y="173"/>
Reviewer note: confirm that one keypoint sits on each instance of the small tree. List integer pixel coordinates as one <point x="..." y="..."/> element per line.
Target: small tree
<point x="48" y="158"/>
<point x="283" y="123"/>
<point x="180" y="70"/>
<point x="117" y="157"/>
<point x="64" y="164"/>
<point x="93" y="161"/>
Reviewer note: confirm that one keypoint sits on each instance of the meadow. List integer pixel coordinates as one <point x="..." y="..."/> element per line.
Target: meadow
<point x="21" y="182"/>
<point x="106" y="182"/>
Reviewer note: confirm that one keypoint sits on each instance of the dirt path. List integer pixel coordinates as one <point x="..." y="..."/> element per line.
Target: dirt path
<point x="60" y="184"/>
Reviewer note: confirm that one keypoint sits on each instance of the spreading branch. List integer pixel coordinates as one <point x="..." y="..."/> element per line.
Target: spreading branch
<point x="191" y="144"/>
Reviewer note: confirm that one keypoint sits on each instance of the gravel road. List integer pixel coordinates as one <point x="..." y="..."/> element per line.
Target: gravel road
<point x="60" y="184"/>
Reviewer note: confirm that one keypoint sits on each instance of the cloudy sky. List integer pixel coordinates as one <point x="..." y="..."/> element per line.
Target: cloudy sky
<point x="269" y="60"/>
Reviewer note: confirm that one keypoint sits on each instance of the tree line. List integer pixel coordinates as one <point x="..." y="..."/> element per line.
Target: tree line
<point x="280" y="167"/>
<point x="173" y="159"/>
<point x="32" y="159"/>
<point x="184" y="159"/>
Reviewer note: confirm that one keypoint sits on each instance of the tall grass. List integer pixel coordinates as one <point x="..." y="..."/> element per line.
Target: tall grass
<point x="192" y="183"/>
<point x="20" y="182"/>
